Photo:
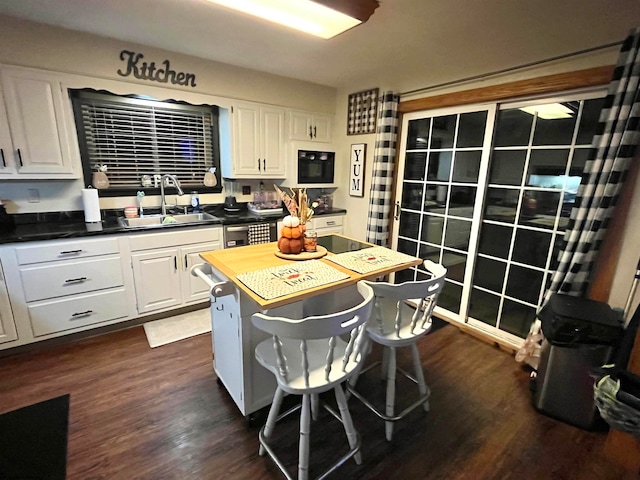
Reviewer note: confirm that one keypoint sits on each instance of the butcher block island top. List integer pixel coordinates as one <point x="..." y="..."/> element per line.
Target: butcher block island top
<point x="253" y="262"/>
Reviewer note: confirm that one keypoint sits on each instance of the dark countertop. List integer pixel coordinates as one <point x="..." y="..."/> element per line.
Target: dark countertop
<point x="31" y="227"/>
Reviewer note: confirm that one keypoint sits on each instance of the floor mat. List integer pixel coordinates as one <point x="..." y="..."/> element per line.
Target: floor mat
<point x="33" y="441"/>
<point x="178" y="327"/>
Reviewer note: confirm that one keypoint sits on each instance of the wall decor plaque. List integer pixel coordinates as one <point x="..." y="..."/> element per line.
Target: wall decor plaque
<point x="356" y="173"/>
<point x="362" y="112"/>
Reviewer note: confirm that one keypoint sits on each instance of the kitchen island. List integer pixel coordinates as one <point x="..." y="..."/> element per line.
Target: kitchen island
<point x="233" y="303"/>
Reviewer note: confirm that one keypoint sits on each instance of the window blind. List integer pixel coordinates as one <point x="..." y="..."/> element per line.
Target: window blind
<point x="135" y="137"/>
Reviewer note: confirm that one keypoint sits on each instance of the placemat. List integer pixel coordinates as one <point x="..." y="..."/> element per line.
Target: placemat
<point x="277" y="282"/>
<point x="370" y="259"/>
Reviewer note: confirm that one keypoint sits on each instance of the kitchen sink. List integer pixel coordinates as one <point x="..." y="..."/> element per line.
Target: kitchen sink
<point x="166" y="220"/>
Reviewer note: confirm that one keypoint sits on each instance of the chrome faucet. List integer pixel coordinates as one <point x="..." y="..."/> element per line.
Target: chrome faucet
<point x="170" y="181"/>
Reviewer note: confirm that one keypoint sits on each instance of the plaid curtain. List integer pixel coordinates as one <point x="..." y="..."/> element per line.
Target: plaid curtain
<point x="383" y="166"/>
<point x="612" y="150"/>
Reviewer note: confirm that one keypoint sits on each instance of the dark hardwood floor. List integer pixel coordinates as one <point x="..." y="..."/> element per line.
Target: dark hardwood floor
<point x="142" y="413"/>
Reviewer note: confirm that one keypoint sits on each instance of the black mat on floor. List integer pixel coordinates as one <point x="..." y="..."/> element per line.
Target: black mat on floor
<point x="33" y="441"/>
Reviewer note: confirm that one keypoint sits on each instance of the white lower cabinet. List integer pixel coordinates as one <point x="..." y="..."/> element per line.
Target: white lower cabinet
<point x="162" y="263"/>
<point x="7" y="324"/>
<point x="59" y="315"/>
<point x="58" y="287"/>
<point x="326" y="224"/>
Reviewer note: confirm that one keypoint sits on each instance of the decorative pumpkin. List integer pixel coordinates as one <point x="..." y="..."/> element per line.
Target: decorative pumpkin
<point x="291" y="232"/>
<point x="290" y="245"/>
<point x="290" y="221"/>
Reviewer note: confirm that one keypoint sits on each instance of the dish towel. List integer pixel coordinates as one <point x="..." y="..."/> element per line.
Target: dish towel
<point x="259" y="233"/>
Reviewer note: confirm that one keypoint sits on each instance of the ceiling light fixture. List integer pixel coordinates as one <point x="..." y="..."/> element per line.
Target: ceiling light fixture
<point x="322" y="18"/>
<point x="549" y="111"/>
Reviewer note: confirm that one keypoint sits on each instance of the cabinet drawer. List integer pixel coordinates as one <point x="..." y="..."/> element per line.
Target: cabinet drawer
<point x="65" y="250"/>
<point x="69" y="278"/>
<point x="79" y="311"/>
<point x="147" y="241"/>
<point x="325" y="222"/>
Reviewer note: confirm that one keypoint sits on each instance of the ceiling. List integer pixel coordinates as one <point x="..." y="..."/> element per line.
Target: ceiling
<point x="406" y="44"/>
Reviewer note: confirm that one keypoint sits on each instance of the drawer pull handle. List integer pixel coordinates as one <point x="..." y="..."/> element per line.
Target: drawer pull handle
<point x="81" y="314"/>
<point x="71" y="252"/>
<point x="4" y="163"/>
<point x="332" y="222"/>
<point x="20" y="158"/>
<point x="76" y="280"/>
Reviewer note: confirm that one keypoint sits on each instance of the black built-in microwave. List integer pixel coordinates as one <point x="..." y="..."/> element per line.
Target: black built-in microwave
<point x="315" y="166"/>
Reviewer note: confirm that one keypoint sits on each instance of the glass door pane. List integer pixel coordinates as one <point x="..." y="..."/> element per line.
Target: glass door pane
<point x="442" y="166"/>
<point x="488" y="193"/>
<point x="533" y="177"/>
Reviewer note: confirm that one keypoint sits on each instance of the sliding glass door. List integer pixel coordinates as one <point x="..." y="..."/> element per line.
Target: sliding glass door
<point x="487" y="192"/>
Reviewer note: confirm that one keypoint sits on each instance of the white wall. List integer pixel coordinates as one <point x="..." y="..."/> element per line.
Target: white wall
<point x="96" y="58"/>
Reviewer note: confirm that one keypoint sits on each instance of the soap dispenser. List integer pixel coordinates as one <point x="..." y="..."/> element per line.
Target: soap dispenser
<point x="195" y="202"/>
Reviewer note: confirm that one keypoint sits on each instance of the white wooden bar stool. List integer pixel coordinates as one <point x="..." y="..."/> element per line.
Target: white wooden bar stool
<point x="308" y="357"/>
<point x="397" y="324"/>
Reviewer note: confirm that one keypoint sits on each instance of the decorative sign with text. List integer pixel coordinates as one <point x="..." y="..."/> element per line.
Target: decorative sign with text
<point x="356" y="175"/>
<point x="149" y="71"/>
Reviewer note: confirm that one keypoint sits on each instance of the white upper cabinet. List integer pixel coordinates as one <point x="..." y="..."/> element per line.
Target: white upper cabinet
<point x="312" y="127"/>
<point x="258" y="142"/>
<point x="7" y="166"/>
<point x="41" y="141"/>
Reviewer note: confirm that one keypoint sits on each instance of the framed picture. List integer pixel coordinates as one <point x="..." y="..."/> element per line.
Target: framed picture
<point x="356" y="174"/>
<point x="363" y="112"/>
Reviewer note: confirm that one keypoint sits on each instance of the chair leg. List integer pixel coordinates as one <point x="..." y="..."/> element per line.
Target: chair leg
<point x="314" y="406"/>
<point x="353" y="381"/>
<point x="273" y="414"/>
<point x="422" y="386"/>
<point x="303" y="450"/>
<point x="349" y="429"/>
<point x="391" y="390"/>
<point x="385" y="363"/>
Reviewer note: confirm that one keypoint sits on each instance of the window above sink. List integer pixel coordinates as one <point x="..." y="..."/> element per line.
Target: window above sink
<point x="134" y="137"/>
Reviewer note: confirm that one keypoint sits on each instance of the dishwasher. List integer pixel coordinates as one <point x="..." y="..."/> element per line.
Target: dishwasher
<point x="242" y="234"/>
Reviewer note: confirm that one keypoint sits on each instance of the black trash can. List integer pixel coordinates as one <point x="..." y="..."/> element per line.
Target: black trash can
<point x="581" y="335"/>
